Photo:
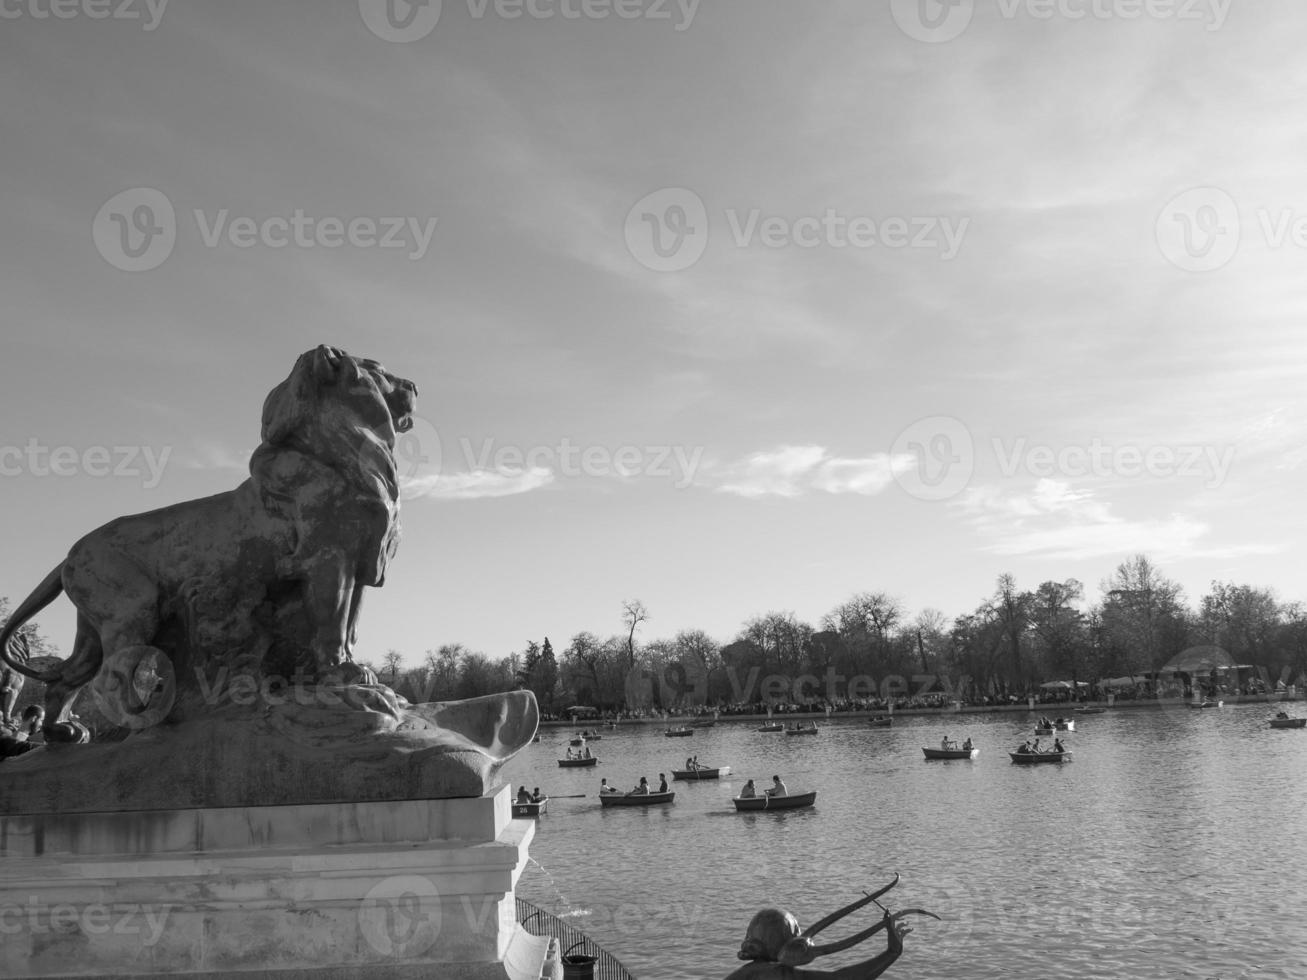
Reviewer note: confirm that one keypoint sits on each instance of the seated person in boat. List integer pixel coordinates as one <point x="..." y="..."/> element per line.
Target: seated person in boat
<point x="749" y="792"/>
<point x="642" y="789"/>
<point x="945" y="744"/>
<point x="689" y="763"/>
<point x="1036" y="747"/>
<point x="522" y="795"/>
<point x="1057" y="745"/>
<point x="569" y="754"/>
<point x="1024" y="748"/>
<point x="605" y="788"/>
<point x="537" y="796"/>
<point x="967" y="744"/>
<point x="662" y="783"/>
<point x="1281" y="714"/>
<point x="777" y="787"/>
<point x="586" y="754"/>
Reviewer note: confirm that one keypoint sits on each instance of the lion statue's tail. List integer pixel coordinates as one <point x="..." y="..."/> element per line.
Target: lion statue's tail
<point x="47" y="592"/>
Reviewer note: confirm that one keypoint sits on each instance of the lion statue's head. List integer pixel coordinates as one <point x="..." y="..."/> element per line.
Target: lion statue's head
<point x="342" y="410"/>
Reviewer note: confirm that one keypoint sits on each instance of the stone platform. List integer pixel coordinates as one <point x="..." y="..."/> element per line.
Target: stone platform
<point x="394" y="889"/>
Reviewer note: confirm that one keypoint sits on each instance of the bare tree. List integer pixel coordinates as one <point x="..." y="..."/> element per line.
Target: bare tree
<point x="391" y="663"/>
<point x="633" y="614"/>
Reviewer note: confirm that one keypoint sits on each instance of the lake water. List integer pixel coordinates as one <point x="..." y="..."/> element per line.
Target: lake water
<point x="1173" y="846"/>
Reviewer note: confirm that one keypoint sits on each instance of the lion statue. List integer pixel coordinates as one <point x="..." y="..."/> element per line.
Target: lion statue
<point x="265" y="578"/>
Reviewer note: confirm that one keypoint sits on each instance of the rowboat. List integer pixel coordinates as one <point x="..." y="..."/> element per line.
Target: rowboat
<point x="591" y="736"/>
<point x="577" y="741"/>
<point x="533" y="809"/>
<point x="1034" y="758"/>
<point x="703" y="772"/>
<point x="574" y="763"/>
<point x="791" y="802"/>
<point x="678" y="732"/>
<point x="950" y="753"/>
<point x="1288" y="722"/>
<point x="772" y="726"/>
<point x="636" y="799"/>
<point x="880" y="721"/>
<point x="1206" y="704"/>
<point x="807" y="730"/>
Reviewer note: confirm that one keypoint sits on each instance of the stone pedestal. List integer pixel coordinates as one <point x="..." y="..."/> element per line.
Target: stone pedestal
<point x="399" y="889"/>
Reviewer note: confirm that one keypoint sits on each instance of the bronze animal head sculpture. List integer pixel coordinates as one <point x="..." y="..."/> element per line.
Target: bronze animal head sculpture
<point x="775" y="945"/>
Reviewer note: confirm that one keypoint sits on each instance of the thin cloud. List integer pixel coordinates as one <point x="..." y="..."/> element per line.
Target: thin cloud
<point x="1054" y="520"/>
<point x="792" y="471"/>
<point x="477" y="484"/>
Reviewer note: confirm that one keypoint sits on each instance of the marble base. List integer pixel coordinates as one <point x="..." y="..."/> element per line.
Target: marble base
<point x="398" y="889"/>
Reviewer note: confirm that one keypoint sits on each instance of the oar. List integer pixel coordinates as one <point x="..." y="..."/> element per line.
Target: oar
<point x="573" y="796"/>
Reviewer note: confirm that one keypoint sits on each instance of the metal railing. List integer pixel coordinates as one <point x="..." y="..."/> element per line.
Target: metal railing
<point x="571" y="940"/>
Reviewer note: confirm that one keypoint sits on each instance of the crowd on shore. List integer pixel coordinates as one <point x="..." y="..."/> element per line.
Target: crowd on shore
<point x="918" y="703"/>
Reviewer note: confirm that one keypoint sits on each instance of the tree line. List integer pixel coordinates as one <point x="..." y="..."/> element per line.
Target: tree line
<point x="1011" y="642"/>
<point x="1014" y="640"/>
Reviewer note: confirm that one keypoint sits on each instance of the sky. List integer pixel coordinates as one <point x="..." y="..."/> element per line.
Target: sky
<point x="732" y="307"/>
